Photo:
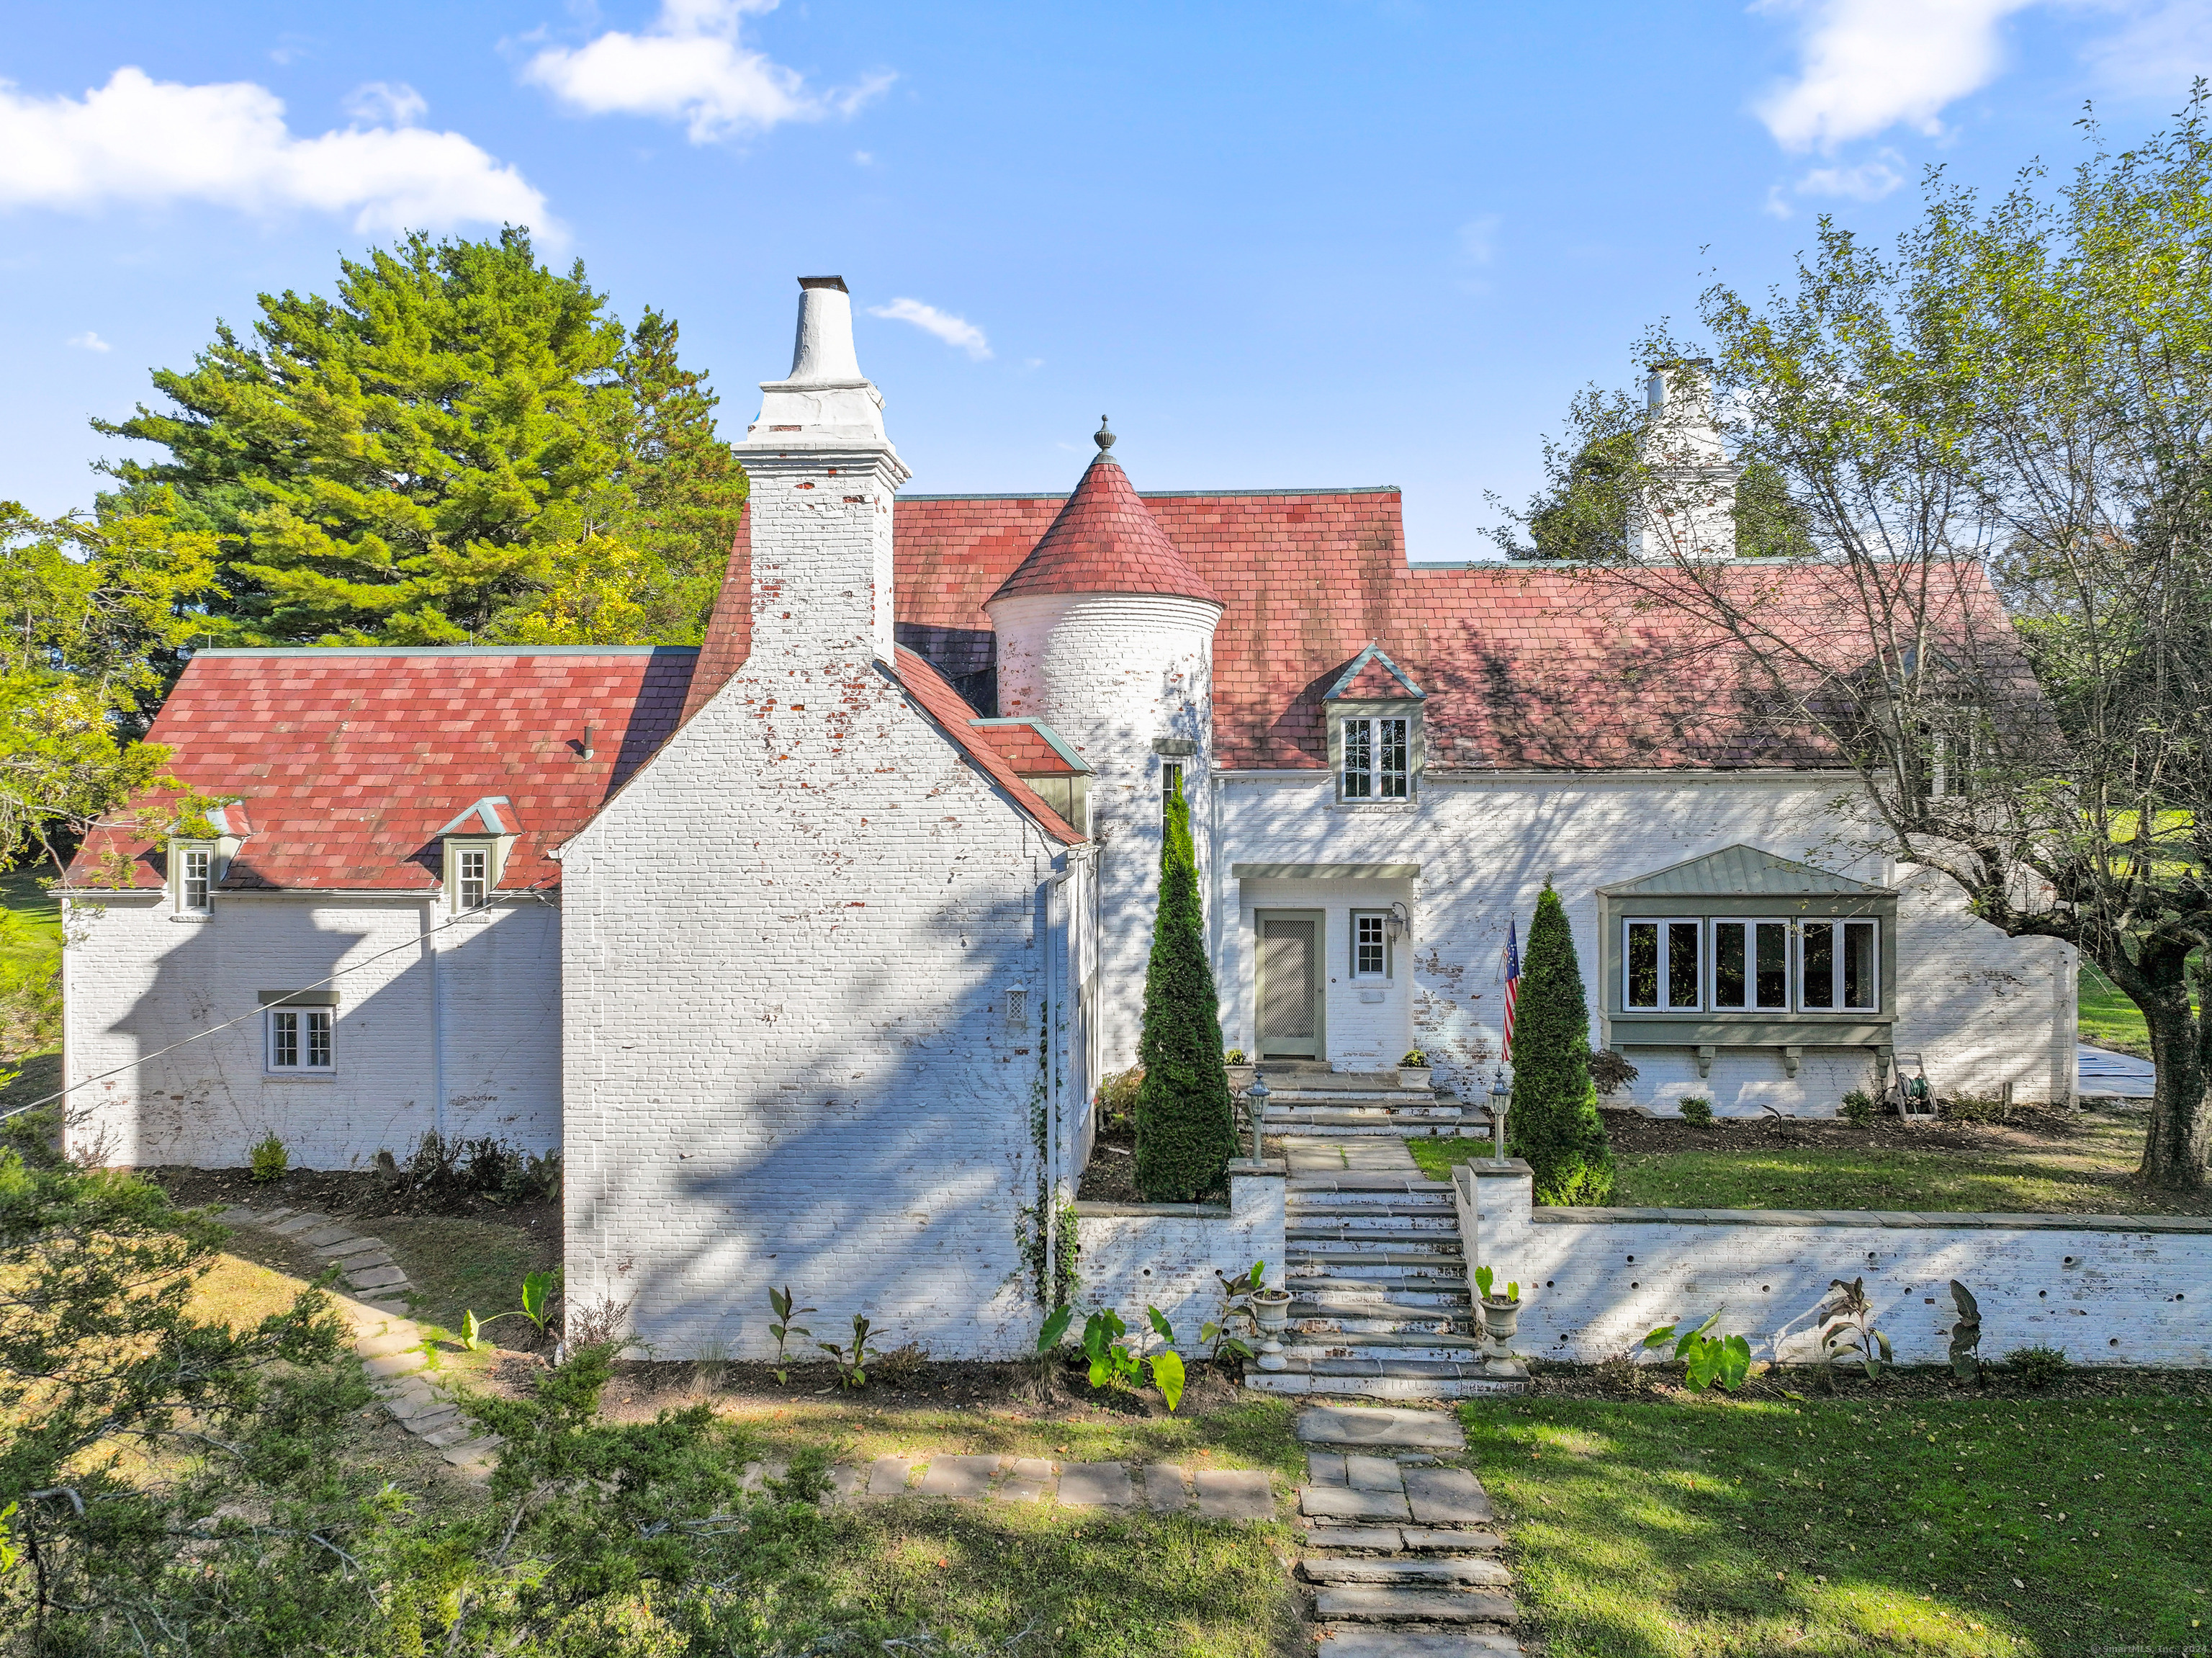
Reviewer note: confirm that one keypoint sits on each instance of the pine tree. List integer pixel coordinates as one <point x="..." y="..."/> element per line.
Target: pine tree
<point x="1186" y="1129"/>
<point x="1553" y="1121"/>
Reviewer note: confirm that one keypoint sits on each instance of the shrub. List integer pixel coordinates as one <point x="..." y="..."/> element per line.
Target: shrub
<point x="1117" y="1097"/>
<point x="2038" y="1367"/>
<point x="1859" y="1108"/>
<point x="1186" y="1127"/>
<point x="1414" y="1059"/>
<point x="1697" y="1110"/>
<point x="1985" y="1108"/>
<point x="1611" y="1072"/>
<point x="269" y="1159"/>
<point x="1234" y="1057"/>
<point x="1553" y="1117"/>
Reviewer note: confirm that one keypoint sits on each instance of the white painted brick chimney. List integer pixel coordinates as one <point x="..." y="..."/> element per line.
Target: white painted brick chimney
<point x="824" y="476"/>
<point x="1688" y="512"/>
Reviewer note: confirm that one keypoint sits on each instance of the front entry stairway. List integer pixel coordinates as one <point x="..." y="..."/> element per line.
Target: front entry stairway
<point x="1380" y="1307"/>
<point x="1304" y="1098"/>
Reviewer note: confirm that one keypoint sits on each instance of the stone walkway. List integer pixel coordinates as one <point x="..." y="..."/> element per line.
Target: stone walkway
<point x="1366" y="1154"/>
<point x="390" y="1344"/>
<point x="1399" y="1551"/>
<point x="2102" y="1074"/>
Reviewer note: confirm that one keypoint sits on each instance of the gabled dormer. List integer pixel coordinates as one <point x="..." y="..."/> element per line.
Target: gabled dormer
<point x="201" y="845"/>
<point x="1375" y="743"/>
<point x="476" y="844"/>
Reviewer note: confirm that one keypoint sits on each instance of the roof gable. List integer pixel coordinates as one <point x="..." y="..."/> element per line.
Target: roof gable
<point x="1373" y="677"/>
<point x="1741" y="871"/>
<point x="944" y="707"/>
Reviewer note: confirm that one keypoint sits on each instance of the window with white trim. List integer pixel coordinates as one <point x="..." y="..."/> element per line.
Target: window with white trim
<point x="1371" y="944"/>
<point x="1660" y="961"/>
<point x="195" y="879"/>
<point x="1838" y="965"/>
<point x="1171" y="786"/>
<point x="1751" y="965"/>
<point x="299" y="1040"/>
<point x="472" y="877"/>
<point x="1378" y="759"/>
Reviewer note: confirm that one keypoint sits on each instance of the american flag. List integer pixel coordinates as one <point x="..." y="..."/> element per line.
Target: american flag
<point x="1512" y="985"/>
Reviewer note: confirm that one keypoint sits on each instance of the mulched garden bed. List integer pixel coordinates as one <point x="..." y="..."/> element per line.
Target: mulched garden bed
<point x="1111" y="1177"/>
<point x="1617" y="1379"/>
<point x="357" y="1195"/>
<point x="2032" y="1128"/>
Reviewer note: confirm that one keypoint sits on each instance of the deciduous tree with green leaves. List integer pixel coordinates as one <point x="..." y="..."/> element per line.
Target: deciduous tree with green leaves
<point x="1552" y="1121"/>
<point x="1185" y="1126"/>
<point x="462" y="444"/>
<point x="2014" y="401"/>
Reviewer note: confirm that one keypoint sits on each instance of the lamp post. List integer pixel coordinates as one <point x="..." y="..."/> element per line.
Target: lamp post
<point x="1255" y="1104"/>
<point x="1501" y="1091"/>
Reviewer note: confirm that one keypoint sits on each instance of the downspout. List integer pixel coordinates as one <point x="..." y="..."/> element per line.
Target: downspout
<point x="1056" y="968"/>
<point x="437" y="1022"/>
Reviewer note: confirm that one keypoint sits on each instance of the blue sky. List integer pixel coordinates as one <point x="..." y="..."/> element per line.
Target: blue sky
<point x="1304" y="244"/>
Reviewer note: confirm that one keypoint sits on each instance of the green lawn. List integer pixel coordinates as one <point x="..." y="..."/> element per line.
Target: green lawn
<point x="1985" y="1525"/>
<point x="460" y="1265"/>
<point x="2106" y="1017"/>
<point x="2088" y="1174"/>
<point x="30" y="1000"/>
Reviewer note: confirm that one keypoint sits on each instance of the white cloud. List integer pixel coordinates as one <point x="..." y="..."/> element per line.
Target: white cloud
<point x="150" y="142"/>
<point x="1867" y="65"/>
<point x="1869" y="181"/>
<point x="2160" y="50"/>
<point x="953" y="331"/>
<point x="386" y="103"/>
<point x="691" y="66"/>
<point x="88" y="341"/>
<point x="1478" y="239"/>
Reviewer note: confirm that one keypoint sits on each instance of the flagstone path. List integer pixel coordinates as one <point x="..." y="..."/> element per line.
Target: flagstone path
<point x="389" y="1344"/>
<point x="1400" y="1551"/>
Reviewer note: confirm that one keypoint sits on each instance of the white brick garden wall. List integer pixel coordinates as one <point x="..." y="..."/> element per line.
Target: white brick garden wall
<point x="1167" y="1255"/>
<point x="788" y="949"/>
<point x="2115" y="1290"/>
<point x="1984" y="1009"/>
<point x="486" y="1022"/>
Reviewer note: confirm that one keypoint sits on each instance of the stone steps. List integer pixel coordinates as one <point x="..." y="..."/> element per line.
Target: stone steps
<point x="1444" y="1290"/>
<point x="1309" y="1320"/>
<point x="1424" y="1229"/>
<point x="1397" y="1555"/>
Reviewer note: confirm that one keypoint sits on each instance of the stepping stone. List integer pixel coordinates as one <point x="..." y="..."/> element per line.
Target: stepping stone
<point x="394" y="1364"/>
<point x="1095" y="1485"/>
<point x="448" y="1433"/>
<point x="432" y="1420"/>
<point x="1167" y="1488"/>
<point x="472" y="1450"/>
<point x="1479" y="1542"/>
<point x="1410" y="1604"/>
<point x="1356" y="1537"/>
<point x="270" y="1216"/>
<point x="377" y="1255"/>
<point x="1028" y="1481"/>
<point x="1342" y="1502"/>
<point x="413" y="1406"/>
<point x="756" y="1475"/>
<point x="1447" y="1497"/>
<point x="1372" y="1474"/>
<point x="1406" y="1574"/>
<point x="846" y="1483"/>
<point x="1341" y="1424"/>
<point x="237" y="1214"/>
<point x="358" y="1247"/>
<point x="1326" y="1468"/>
<point x="322" y="1236"/>
<point x="376" y="1277"/>
<point x="1235" y="1494"/>
<point x="391" y="1341"/>
<point x="390" y="1309"/>
<point x="887" y="1477"/>
<point x="959" y="1476"/>
<point x="1365" y="1640"/>
<point x="300" y="1221"/>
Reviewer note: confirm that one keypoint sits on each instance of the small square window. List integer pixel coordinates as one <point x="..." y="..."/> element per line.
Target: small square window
<point x="1370" y="945"/>
<point x="298" y="1039"/>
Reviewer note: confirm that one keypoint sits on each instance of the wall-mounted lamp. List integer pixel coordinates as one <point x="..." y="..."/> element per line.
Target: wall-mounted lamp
<point x="1398" y="922"/>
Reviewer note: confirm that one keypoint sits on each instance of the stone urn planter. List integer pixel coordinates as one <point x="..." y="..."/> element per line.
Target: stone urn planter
<point x="1240" y="1076"/>
<point x="1271" y="1309"/>
<point x="1500" y="1318"/>
<point x="1414" y="1076"/>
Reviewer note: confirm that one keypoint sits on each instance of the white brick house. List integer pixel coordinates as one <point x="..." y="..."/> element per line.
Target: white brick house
<point x="808" y="948"/>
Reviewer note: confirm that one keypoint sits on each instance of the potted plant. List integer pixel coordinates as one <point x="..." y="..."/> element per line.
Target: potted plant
<point x="1501" y="1314"/>
<point x="1413" y="1069"/>
<point x="1240" y="1073"/>
<point x="1271" y="1310"/>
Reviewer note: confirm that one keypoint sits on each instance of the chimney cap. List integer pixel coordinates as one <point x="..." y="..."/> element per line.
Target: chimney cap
<point x="837" y="282"/>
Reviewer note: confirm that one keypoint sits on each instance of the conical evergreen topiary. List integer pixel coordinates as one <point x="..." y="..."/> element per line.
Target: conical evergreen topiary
<point x="1186" y="1131"/>
<point x="1553" y="1122"/>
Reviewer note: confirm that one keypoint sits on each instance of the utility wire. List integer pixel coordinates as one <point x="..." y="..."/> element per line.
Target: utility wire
<point x="413" y="943"/>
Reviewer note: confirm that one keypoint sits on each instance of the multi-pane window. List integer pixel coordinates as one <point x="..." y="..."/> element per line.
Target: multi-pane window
<point x="1661" y="964"/>
<point x="1171" y="786"/>
<point x="1751" y="965"/>
<point x="1371" y="946"/>
<point x="471" y="868"/>
<point x="1837" y="966"/>
<point x="299" y="1038"/>
<point x="195" y="878"/>
<point x="1731" y="964"/>
<point x="1377" y="759"/>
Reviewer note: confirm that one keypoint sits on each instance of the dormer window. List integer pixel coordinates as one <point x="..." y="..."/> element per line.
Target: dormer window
<point x="1374" y="713"/>
<point x="473" y="868"/>
<point x="476" y="844"/>
<point x="199" y="858"/>
<point x="195" y="877"/>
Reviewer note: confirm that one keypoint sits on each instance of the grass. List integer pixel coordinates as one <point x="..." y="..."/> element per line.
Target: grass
<point x="30" y="960"/>
<point x="1976" y="1526"/>
<point x="460" y="1265"/>
<point x="2087" y="1175"/>
<point x="2107" y="1019"/>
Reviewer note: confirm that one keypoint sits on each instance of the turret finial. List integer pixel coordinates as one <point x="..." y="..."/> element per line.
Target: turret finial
<point x="1102" y="437"/>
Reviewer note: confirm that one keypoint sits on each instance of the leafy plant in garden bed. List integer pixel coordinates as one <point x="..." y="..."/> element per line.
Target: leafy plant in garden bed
<point x="1709" y="1360"/>
<point x="1114" y="1364"/>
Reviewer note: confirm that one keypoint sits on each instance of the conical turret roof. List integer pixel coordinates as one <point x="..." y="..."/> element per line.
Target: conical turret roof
<point x="1106" y="540"/>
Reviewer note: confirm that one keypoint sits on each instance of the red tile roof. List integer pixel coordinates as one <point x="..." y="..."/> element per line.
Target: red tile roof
<point x="944" y="705"/>
<point x="350" y="762"/>
<point x="1027" y="750"/>
<point x="1103" y="541"/>
<point x="1525" y="665"/>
